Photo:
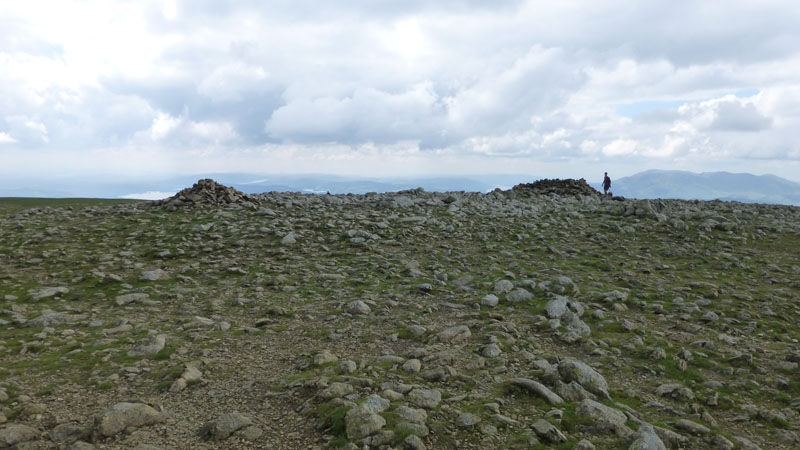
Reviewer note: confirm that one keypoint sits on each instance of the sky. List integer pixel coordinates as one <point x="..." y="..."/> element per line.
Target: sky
<point x="380" y="88"/>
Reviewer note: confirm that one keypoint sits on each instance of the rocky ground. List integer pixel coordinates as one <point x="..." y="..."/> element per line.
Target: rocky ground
<point x="513" y="319"/>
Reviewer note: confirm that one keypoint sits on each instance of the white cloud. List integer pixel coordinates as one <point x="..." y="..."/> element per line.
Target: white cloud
<point x="451" y="85"/>
<point x="5" y="138"/>
<point x="149" y="195"/>
<point x="620" y="147"/>
<point x="163" y="124"/>
<point x="231" y="81"/>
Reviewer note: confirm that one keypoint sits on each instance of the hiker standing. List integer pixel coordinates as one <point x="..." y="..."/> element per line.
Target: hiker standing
<point x="606" y="184"/>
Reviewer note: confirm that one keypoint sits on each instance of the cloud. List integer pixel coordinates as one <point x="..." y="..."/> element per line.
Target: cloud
<point x="450" y="84"/>
<point x="231" y="81"/>
<point x="368" y="115"/>
<point x="149" y="195"/>
<point x="5" y="138"/>
<point x="735" y="116"/>
<point x="728" y="113"/>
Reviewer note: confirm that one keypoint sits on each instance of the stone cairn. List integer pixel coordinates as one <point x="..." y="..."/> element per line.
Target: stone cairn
<point x="567" y="187"/>
<point x="208" y="193"/>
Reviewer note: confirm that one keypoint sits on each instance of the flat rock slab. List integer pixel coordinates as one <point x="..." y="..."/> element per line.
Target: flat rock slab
<point x="647" y="439"/>
<point x="117" y="418"/>
<point x="538" y="389"/>
<point x="225" y="425"/>
<point x="570" y="369"/>
<point x="425" y="398"/>
<point x="362" y="421"/>
<point x="48" y="292"/>
<point x="149" y="346"/>
<point x="13" y="434"/>
<point x="455" y="334"/>
<point x="125" y="299"/>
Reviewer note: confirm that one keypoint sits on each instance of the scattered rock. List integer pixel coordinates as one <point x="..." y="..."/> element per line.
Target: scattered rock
<point x="14" y="434"/>
<point x="121" y="416"/>
<point x="224" y="426"/>
<point x="361" y="421"/>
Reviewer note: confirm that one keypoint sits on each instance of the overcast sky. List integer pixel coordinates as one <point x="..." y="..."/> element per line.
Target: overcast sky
<point x="372" y="87"/>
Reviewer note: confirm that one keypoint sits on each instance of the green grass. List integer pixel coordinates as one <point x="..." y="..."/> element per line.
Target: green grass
<point x="19" y="203"/>
<point x="333" y="418"/>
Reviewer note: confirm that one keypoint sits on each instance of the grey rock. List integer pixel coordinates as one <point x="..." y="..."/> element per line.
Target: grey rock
<point x="538" y="389"/>
<point x="556" y="307"/>
<point x="336" y="390"/>
<point x="250" y="433"/>
<point x="348" y="366"/>
<point x="605" y="419"/>
<point x="425" y="398"/>
<point x="47" y="319"/>
<point x="361" y="422"/>
<point x="670" y="438"/>
<point x="675" y="390"/>
<point x="519" y="295"/>
<point x="14" y="434"/>
<point x="149" y="346"/>
<point x="571" y="369"/>
<point x="80" y="445"/>
<point x="120" y="416"/>
<point x="567" y="284"/>
<point x="412" y="365"/>
<point x="68" y="433"/>
<point x="454" y="334"/>
<point x="154" y="275"/>
<point x="376" y="403"/>
<point x="358" y="307"/>
<point x="548" y="432"/>
<point x="466" y="420"/>
<point x="125" y="299"/>
<point x="720" y="443"/>
<point x="575" y="329"/>
<point x="412" y="415"/>
<point x="647" y="439"/>
<point x="491" y="351"/>
<point x="48" y="292"/>
<point x="692" y="427"/>
<point x="503" y="287"/>
<point x="289" y="238"/>
<point x="413" y="442"/>
<point x="490" y="300"/>
<point x="745" y="443"/>
<point x="224" y="426"/>
<point x="572" y="391"/>
<point x="324" y="357"/>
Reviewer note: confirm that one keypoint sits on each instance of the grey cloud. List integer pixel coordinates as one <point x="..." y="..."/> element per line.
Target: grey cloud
<point x="490" y="78"/>
<point x="366" y="115"/>
<point x="504" y="99"/>
<point x="737" y="116"/>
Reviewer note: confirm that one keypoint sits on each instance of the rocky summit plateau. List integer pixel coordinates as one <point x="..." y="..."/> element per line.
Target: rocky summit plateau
<point x="541" y="317"/>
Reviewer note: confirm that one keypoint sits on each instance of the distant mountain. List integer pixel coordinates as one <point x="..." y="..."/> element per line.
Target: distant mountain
<point x="742" y="187"/>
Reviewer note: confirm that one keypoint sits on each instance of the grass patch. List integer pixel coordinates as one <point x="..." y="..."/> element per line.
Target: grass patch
<point x="333" y="416"/>
<point x="20" y="203"/>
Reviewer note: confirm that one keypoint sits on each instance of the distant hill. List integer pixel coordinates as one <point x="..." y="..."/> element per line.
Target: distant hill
<point x="742" y="187"/>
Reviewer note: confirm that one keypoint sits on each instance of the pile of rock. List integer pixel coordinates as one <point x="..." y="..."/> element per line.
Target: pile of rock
<point x="567" y="187"/>
<point x="208" y="193"/>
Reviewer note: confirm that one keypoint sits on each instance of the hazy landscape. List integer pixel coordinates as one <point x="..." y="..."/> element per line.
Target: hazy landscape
<point x="651" y="184"/>
<point x="547" y="316"/>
